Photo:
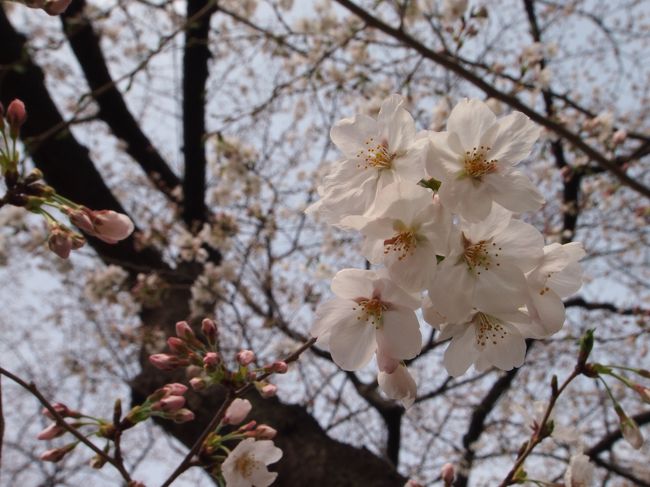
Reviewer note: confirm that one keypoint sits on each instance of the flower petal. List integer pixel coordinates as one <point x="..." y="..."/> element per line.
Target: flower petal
<point x="470" y="119"/>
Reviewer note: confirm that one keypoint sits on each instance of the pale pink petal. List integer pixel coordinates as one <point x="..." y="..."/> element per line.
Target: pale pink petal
<point x="548" y="311"/>
<point x="401" y="332"/>
<point x="398" y="386"/>
<point x="515" y="139"/>
<point x="461" y="352"/>
<point x="514" y="191"/>
<point x="352" y="344"/>
<point x="353" y="283"/>
<point x="470" y="119"/>
<point x="351" y="134"/>
<point x="503" y="286"/>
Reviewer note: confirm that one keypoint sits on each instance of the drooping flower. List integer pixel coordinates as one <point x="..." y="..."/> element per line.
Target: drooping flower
<point x="557" y="276"/>
<point x="237" y="411"/>
<point x="405" y="230"/>
<point x="474" y="160"/>
<point x="485" y="266"/>
<point x="245" y="466"/>
<point x="580" y="472"/>
<point x="376" y="153"/>
<point x="398" y="385"/>
<point x="368" y="307"/>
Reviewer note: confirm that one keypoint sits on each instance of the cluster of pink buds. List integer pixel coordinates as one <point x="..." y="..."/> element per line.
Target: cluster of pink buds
<point x="30" y="192"/>
<point x="56" y="430"/>
<point x="205" y="365"/>
<point x="166" y="402"/>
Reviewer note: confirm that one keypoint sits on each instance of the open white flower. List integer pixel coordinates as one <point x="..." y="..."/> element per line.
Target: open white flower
<point x="246" y="464"/>
<point x="580" y="472"/>
<point x="405" y="230"/>
<point x="377" y="153"/>
<point x="557" y="276"/>
<point x="474" y="161"/>
<point x="398" y="385"/>
<point x="485" y="266"/>
<point x="369" y="307"/>
<point x="486" y="339"/>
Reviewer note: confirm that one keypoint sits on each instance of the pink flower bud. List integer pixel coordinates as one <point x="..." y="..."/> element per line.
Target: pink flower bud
<point x="16" y="116"/>
<point x="183" y="416"/>
<point x="57" y="454"/>
<point x="447" y="473"/>
<point x="197" y="383"/>
<point x="237" y="411"/>
<point x="265" y="432"/>
<point x="169" y="404"/>
<point x="209" y="329"/>
<point x="269" y="390"/>
<point x="248" y="426"/>
<point x="279" y="367"/>
<point x="106" y="225"/>
<point x="245" y="357"/>
<point x="52" y="431"/>
<point x="211" y="359"/>
<point x="183" y="330"/>
<point x="175" y="389"/>
<point x="177" y="346"/>
<point x="63" y="411"/>
<point x="164" y="361"/>
<point x="644" y="392"/>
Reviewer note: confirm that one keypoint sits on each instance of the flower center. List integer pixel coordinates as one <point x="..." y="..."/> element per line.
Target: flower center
<point x="477" y="255"/>
<point x="245" y="465"/>
<point x="370" y="310"/>
<point x="488" y="329"/>
<point x="477" y="164"/>
<point x="403" y="244"/>
<point x="375" y="155"/>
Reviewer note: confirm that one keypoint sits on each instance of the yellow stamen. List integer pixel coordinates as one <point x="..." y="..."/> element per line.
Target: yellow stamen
<point x="476" y="163"/>
<point x="375" y="155"/>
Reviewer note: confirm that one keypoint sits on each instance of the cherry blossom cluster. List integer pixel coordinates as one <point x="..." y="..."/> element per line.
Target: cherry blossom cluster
<point x="30" y="192"/>
<point x="439" y="215"/>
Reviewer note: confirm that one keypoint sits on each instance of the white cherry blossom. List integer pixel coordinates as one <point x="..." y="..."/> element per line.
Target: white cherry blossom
<point x="474" y="160"/>
<point x="557" y="276"/>
<point x="376" y="153"/>
<point x="405" y="230"/>
<point x="486" y="339"/>
<point x="368" y="307"/>
<point x="246" y="464"/>
<point x="485" y="266"/>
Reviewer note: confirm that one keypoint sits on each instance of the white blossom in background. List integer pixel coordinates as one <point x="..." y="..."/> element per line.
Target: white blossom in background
<point x="368" y="307"/>
<point x="105" y="282"/>
<point x="474" y="160"/>
<point x="405" y="230"/>
<point x="453" y="9"/>
<point x="580" y="472"/>
<point x="485" y="266"/>
<point x="376" y="153"/>
<point x="246" y="464"/>
<point x="557" y="276"/>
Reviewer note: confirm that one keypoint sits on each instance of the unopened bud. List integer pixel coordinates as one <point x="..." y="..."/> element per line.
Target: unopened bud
<point x="16" y="116"/>
<point x="52" y="431"/>
<point x="245" y="357"/>
<point x="97" y="462"/>
<point x="237" y="411"/>
<point x="586" y="345"/>
<point x="183" y="416"/>
<point x="619" y="137"/>
<point x="197" y="383"/>
<point x="183" y="330"/>
<point x="169" y="404"/>
<point x="209" y="330"/>
<point x="268" y="390"/>
<point x="57" y="454"/>
<point x="265" y="432"/>
<point x="63" y="411"/>
<point x="447" y="473"/>
<point x="211" y="359"/>
<point x="643" y="391"/>
<point x="164" y="361"/>
<point x="278" y="367"/>
<point x="629" y="429"/>
<point x="177" y="346"/>
<point x="175" y="389"/>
